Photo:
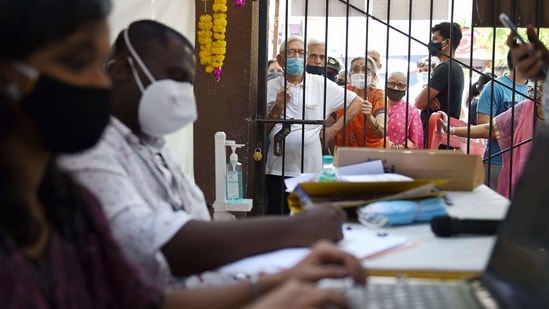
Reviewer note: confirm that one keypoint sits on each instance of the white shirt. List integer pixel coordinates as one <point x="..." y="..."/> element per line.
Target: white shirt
<point x="319" y="104"/>
<point x="144" y="194"/>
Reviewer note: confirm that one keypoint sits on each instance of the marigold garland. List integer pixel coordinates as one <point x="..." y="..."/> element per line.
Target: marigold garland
<point x="211" y="38"/>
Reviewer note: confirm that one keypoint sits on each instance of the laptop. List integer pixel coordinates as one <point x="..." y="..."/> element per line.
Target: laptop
<point x="517" y="273"/>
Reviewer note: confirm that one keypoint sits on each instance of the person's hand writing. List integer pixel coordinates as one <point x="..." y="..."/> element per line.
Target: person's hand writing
<point x="320" y="222"/>
<point x="529" y="59"/>
<point x="326" y="260"/>
<point x="299" y="295"/>
<point x="434" y="104"/>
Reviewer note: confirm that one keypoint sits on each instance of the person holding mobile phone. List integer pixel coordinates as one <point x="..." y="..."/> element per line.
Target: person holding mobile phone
<point x="532" y="60"/>
<point x="496" y="97"/>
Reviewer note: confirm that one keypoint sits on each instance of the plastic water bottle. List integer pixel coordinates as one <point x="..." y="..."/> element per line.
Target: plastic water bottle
<point x="328" y="172"/>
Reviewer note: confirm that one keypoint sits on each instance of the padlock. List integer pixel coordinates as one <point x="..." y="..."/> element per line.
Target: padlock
<point x="257" y="154"/>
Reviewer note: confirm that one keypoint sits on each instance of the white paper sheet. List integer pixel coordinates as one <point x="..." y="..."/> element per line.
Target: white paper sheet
<point x="360" y="172"/>
<point x="358" y="240"/>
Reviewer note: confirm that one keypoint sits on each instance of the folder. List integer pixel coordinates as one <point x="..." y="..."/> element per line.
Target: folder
<point x="356" y="194"/>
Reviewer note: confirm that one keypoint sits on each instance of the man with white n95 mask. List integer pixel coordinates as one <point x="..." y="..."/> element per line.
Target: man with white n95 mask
<point x="156" y="212"/>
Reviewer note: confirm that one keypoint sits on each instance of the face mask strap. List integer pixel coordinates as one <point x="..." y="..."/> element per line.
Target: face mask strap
<point x="135" y="75"/>
<point x="137" y="58"/>
<point x="26" y="70"/>
<point x="29" y="72"/>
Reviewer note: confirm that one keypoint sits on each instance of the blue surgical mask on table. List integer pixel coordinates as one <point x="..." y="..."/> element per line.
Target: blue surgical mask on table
<point x="165" y="105"/>
<point x="294" y="66"/>
<point x="387" y="213"/>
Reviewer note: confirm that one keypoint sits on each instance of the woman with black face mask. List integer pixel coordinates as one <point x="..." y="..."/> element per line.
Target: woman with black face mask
<point x="404" y="128"/>
<point x="56" y="249"/>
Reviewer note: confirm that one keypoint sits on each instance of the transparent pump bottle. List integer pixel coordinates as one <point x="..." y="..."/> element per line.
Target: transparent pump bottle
<point x="234" y="177"/>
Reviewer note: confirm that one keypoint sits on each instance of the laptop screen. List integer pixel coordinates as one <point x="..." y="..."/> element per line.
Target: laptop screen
<point x="517" y="274"/>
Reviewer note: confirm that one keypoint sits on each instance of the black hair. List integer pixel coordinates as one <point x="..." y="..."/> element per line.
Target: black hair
<point x="26" y="25"/>
<point x="146" y="33"/>
<point x="450" y="31"/>
<point x="477" y="87"/>
<point x="510" y="64"/>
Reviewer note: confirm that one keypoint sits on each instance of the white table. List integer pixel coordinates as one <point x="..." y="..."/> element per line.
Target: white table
<point x="454" y="257"/>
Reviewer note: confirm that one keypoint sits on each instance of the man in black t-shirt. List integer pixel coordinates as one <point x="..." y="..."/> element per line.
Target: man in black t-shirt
<point x="445" y="88"/>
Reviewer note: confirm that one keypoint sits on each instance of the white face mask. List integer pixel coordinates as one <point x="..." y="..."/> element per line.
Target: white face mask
<point x="423" y="77"/>
<point x="358" y="80"/>
<point x="165" y="105"/>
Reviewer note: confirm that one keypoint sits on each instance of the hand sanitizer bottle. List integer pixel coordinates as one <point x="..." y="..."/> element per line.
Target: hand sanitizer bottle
<point x="234" y="178"/>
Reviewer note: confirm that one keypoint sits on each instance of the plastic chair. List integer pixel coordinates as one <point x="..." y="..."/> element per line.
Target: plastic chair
<point x="437" y="137"/>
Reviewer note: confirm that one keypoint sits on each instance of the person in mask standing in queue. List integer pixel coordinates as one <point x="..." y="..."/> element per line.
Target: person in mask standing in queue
<point x="445" y="87"/>
<point x="288" y="98"/>
<point x="273" y="69"/>
<point x="157" y="213"/>
<point x="404" y="129"/>
<point x="318" y="63"/>
<point x="423" y="74"/>
<point x="372" y="119"/>
<point x="316" y="57"/>
<point x="332" y="68"/>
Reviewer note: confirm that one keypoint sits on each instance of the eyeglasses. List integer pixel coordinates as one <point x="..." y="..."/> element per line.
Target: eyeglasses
<point x="400" y="86"/>
<point x="292" y="53"/>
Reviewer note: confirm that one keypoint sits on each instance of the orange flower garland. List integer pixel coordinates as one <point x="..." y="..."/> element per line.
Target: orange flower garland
<point x="212" y="51"/>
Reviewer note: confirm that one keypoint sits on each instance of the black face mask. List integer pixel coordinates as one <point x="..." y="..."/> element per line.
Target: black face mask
<point x="71" y="119"/>
<point x="319" y="71"/>
<point x="316" y="70"/>
<point x="273" y="75"/>
<point x="394" y="95"/>
<point x="434" y="48"/>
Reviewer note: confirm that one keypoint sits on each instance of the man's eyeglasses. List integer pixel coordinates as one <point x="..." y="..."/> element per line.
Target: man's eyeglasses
<point x="400" y="86"/>
<point x="292" y="53"/>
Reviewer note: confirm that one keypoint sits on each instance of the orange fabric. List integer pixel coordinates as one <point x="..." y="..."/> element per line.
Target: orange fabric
<point x="354" y="131"/>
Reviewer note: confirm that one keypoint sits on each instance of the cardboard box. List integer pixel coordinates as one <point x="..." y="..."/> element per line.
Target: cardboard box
<point x="464" y="172"/>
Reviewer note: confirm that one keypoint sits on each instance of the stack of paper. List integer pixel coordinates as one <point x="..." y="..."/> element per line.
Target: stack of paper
<point x="369" y="188"/>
